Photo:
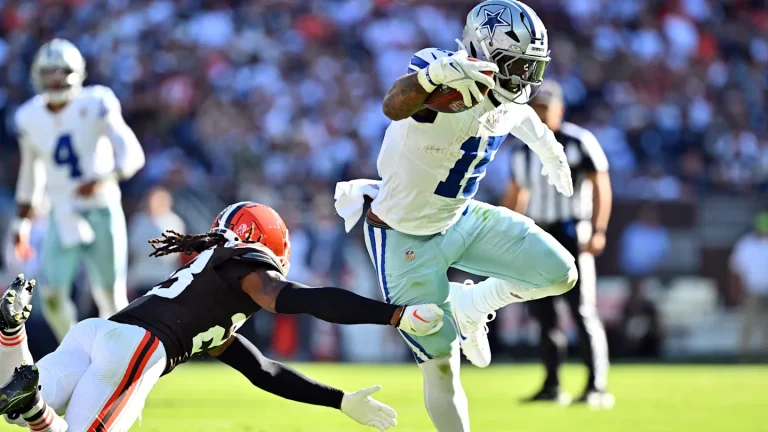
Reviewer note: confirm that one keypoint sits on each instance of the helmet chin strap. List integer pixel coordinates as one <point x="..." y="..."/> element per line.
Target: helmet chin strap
<point x="462" y="47"/>
<point x="507" y="96"/>
<point x="62" y="96"/>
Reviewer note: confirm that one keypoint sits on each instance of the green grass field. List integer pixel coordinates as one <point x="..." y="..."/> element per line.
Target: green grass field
<point x="680" y="398"/>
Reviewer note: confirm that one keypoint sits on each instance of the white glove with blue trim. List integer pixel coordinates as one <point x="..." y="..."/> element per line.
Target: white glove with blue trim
<point x="559" y="174"/>
<point x="459" y="73"/>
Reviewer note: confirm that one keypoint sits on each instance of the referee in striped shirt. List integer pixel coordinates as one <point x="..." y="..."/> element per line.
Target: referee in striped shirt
<point x="578" y="223"/>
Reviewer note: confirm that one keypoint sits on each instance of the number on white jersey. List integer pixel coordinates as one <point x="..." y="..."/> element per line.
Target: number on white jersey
<point x="452" y="186"/>
<point x="64" y="154"/>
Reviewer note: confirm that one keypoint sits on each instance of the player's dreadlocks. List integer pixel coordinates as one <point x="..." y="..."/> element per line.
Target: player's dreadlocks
<point x="174" y="242"/>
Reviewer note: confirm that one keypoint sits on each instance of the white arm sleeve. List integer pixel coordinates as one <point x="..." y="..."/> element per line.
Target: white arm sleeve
<point x="539" y="138"/>
<point x="129" y="156"/>
<point x="30" y="187"/>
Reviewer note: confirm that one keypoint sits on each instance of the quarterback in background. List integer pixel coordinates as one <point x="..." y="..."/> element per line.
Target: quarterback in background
<point x="75" y="147"/>
<point x="423" y="219"/>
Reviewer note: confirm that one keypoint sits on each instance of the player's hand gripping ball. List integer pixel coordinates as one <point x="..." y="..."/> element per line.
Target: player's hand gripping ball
<point x="463" y="82"/>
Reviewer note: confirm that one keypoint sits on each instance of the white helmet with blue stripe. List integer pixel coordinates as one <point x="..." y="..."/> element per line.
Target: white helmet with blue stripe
<point x="58" y="71"/>
<point x="510" y="34"/>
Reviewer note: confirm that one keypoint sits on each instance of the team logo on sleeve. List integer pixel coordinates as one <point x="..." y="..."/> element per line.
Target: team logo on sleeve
<point x="410" y="255"/>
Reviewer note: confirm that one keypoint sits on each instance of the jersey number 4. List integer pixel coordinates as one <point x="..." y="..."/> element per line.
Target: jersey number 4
<point x="215" y="335"/>
<point x="451" y="186"/>
<point x="64" y="154"/>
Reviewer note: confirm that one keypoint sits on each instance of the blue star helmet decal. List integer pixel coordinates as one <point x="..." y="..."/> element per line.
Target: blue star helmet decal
<point x="493" y="20"/>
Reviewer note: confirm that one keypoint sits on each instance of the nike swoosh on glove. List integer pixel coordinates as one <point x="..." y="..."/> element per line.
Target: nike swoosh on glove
<point x="421" y="320"/>
<point x="459" y="73"/>
<point x="362" y="408"/>
<point x="559" y="174"/>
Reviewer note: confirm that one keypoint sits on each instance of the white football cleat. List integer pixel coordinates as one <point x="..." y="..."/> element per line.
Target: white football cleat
<point x="472" y="334"/>
<point x="422" y="320"/>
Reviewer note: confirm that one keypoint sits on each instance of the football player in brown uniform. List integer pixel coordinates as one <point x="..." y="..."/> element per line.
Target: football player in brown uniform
<point x="104" y="369"/>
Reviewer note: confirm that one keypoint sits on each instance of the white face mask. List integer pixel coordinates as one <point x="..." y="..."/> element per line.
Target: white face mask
<point x="58" y="85"/>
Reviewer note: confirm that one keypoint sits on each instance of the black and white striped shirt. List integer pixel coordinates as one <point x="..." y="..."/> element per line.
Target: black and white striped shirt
<point x="546" y="205"/>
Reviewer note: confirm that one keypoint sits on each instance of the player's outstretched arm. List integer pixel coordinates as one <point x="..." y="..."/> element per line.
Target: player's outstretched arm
<point x="271" y="291"/>
<point x="284" y="381"/>
<point x="536" y="135"/>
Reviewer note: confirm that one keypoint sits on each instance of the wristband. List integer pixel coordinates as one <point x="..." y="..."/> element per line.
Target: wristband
<point x="425" y="80"/>
<point x="400" y="318"/>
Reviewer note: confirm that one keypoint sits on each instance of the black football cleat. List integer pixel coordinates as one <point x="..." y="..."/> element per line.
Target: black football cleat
<point x="20" y="393"/>
<point x="550" y="394"/>
<point x="16" y="303"/>
<point x="597" y="399"/>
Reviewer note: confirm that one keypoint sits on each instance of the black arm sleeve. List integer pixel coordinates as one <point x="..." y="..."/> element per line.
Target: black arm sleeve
<point x="333" y="305"/>
<point x="277" y="378"/>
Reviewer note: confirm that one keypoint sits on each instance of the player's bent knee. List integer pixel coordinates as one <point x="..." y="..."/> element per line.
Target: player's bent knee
<point x="570" y="280"/>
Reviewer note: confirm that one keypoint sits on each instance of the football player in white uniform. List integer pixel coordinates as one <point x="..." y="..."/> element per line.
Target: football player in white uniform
<point x="423" y="219"/>
<point x="75" y="147"/>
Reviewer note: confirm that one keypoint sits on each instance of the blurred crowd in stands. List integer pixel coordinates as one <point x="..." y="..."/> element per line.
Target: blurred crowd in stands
<point x="276" y="100"/>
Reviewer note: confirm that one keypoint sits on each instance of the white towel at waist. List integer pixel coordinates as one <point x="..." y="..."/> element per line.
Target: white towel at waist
<point x="350" y="198"/>
<point x="73" y="228"/>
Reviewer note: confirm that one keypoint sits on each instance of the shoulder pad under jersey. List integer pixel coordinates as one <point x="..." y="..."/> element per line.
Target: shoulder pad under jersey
<point x="258" y="253"/>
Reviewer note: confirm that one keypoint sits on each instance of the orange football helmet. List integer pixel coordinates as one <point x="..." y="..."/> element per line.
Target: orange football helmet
<point x="251" y="222"/>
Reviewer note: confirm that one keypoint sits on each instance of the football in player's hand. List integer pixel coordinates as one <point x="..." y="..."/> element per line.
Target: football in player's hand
<point x="448" y="100"/>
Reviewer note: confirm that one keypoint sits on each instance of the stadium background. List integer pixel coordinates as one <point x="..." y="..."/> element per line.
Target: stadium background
<point x="276" y="100"/>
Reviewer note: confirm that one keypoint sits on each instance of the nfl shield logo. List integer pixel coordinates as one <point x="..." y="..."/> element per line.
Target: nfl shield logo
<point x="410" y="255"/>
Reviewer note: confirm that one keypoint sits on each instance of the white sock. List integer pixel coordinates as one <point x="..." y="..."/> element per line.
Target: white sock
<point x="42" y="418"/>
<point x="443" y="394"/>
<point x="13" y="351"/>
<point x="60" y="312"/>
<point x="493" y="294"/>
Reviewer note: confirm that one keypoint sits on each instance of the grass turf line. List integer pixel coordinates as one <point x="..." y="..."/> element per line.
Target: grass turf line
<point x="650" y="398"/>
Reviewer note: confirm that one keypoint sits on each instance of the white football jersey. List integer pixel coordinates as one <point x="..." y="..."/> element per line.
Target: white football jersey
<point x="430" y="171"/>
<point x="87" y="140"/>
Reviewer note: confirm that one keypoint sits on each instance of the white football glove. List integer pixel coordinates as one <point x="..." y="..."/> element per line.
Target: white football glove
<point x="458" y="73"/>
<point x="559" y="175"/>
<point x="362" y="408"/>
<point x="421" y="320"/>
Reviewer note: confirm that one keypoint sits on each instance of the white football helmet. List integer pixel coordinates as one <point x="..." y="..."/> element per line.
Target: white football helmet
<point x="510" y="34"/>
<point x="58" y="71"/>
